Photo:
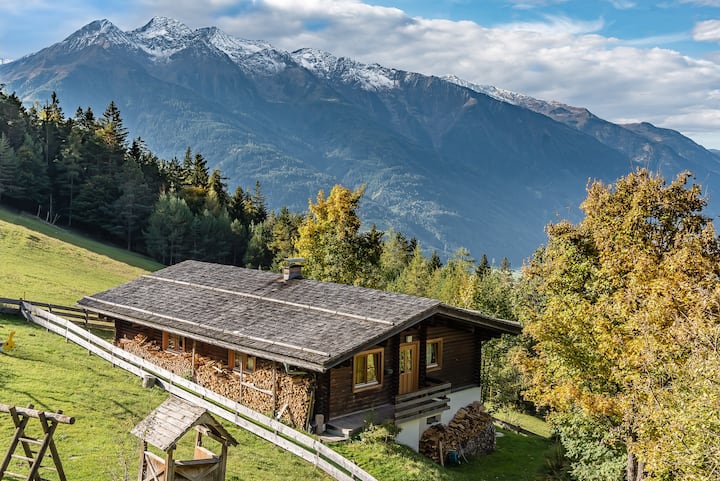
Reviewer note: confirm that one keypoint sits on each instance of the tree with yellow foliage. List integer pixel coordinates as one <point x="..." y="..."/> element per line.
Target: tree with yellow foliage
<point x="625" y="320"/>
<point x="332" y="244"/>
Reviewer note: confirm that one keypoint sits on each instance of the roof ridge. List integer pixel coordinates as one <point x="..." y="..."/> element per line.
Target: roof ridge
<point x="270" y="299"/>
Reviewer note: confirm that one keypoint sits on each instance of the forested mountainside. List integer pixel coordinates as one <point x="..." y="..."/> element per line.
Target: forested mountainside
<point x="441" y="162"/>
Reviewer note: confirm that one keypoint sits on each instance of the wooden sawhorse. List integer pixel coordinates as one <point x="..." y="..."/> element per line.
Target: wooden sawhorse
<point x="48" y="422"/>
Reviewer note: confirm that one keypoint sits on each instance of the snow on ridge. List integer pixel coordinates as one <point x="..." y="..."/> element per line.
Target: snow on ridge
<point x="316" y="61"/>
<point x="98" y="31"/>
<point x="370" y="77"/>
<point x="162" y="36"/>
<point x="164" y="27"/>
<point x="508" y="96"/>
<point x="265" y="62"/>
<point x="235" y="48"/>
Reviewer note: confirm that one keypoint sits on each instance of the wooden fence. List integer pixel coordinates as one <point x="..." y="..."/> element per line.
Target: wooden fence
<point x="300" y="444"/>
<point x="75" y="314"/>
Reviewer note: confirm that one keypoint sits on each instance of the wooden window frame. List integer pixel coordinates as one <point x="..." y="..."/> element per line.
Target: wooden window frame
<point x="179" y="340"/>
<point x="379" y="368"/>
<point x="438" y="365"/>
<point x="244" y="358"/>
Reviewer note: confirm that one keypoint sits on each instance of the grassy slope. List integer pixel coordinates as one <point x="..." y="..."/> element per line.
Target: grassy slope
<point x="44" y="263"/>
<point x="47" y="372"/>
<point x="107" y="402"/>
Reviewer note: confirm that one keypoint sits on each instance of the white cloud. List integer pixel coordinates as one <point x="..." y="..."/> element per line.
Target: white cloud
<point x="623" y="4"/>
<point x="527" y="4"/>
<point x="704" y="3"/>
<point x="707" y="31"/>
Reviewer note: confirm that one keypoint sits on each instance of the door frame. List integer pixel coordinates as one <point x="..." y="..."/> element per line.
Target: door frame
<point x="415" y="373"/>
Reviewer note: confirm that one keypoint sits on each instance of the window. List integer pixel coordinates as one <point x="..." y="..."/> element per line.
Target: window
<point x="243" y="362"/>
<point x="173" y="342"/>
<point x="433" y="354"/>
<point x="367" y="369"/>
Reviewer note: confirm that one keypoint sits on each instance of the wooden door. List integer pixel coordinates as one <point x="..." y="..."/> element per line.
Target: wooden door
<point x="408" y="367"/>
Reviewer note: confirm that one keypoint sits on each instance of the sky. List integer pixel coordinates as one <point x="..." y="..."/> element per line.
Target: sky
<point x="626" y="61"/>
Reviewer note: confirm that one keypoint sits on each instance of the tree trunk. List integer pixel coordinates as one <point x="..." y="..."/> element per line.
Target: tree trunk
<point x="635" y="468"/>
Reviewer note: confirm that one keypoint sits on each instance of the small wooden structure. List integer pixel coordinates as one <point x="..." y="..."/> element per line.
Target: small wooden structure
<point x="34" y="458"/>
<point x="164" y="427"/>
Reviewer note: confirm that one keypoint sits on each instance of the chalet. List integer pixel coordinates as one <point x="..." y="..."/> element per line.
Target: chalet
<point x="366" y="352"/>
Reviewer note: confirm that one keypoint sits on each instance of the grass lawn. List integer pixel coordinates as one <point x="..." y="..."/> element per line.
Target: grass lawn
<point x="38" y="267"/>
<point x="70" y="237"/>
<point x="526" y="421"/>
<point x="106" y="402"/>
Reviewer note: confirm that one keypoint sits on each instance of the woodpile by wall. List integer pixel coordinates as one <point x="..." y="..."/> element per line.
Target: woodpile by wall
<point x="268" y="389"/>
<point x="470" y="432"/>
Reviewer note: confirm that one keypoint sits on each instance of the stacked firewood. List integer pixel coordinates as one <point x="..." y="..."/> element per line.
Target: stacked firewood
<point x="268" y="389"/>
<point x="178" y="363"/>
<point x="470" y="432"/>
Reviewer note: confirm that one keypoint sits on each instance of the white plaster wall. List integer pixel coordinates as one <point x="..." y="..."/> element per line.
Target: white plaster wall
<point x="411" y="431"/>
<point x="460" y="399"/>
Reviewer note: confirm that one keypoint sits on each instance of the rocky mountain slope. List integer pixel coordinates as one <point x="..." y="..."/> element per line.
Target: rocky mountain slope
<point x="445" y="161"/>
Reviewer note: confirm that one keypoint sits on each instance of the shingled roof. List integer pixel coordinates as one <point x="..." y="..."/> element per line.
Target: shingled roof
<point x="302" y="322"/>
<point x="172" y="419"/>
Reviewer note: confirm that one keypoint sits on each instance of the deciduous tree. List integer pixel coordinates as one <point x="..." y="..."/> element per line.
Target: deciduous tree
<point x="625" y="324"/>
<point x="331" y="241"/>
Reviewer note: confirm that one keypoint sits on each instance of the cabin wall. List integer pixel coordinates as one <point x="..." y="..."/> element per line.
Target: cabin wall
<point x="129" y="330"/>
<point x="342" y="399"/>
<point x="460" y="355"/>
<point x="268" y="388"/>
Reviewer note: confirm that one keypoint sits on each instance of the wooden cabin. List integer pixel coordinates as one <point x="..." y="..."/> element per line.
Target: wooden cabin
<point x="369" y="353"/>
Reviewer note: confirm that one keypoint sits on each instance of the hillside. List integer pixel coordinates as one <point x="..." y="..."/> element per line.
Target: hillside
<point x="45" y="263"/>
<point x="51" y="374"/>
<point x="445" y="163"/>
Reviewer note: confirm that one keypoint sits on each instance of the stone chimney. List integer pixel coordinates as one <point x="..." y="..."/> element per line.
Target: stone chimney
<point x="293" y="268"/>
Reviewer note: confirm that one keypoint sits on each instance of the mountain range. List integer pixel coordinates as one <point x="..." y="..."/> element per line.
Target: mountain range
<point x="449" y="162"/>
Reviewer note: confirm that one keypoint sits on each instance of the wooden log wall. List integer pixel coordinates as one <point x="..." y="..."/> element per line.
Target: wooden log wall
<point x="129" y="330"/>
<point x="459" y="353"/>
<point x="342" y="398"/>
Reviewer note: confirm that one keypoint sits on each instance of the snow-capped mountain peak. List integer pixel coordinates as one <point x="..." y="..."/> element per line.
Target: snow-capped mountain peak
<point x="316" y="61"/>
<point x="163" y="27"/>
<point x="101" y="32"/>
<point x="369" y="77"/>
<point x="162" y="36"/>
<point x="235" y="48"/>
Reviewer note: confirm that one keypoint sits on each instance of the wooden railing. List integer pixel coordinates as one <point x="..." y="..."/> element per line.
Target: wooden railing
<point x="300" y="444"/>
<point x="75" y="314"/>
<point x="423" y="402"/>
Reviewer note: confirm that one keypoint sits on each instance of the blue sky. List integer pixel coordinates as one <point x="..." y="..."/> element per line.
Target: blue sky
<point x="625" y="60"/>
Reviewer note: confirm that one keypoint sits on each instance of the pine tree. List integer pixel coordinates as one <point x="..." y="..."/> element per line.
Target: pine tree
<point x="8" y="168"/>
<point x="483" y="268"/>
<point x="218" y="188"/>
<point x="132" y="208"/>
<point x="168" y="234"/>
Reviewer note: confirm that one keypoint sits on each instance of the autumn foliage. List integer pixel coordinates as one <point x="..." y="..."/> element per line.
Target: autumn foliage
<point x="625" y="328"/>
